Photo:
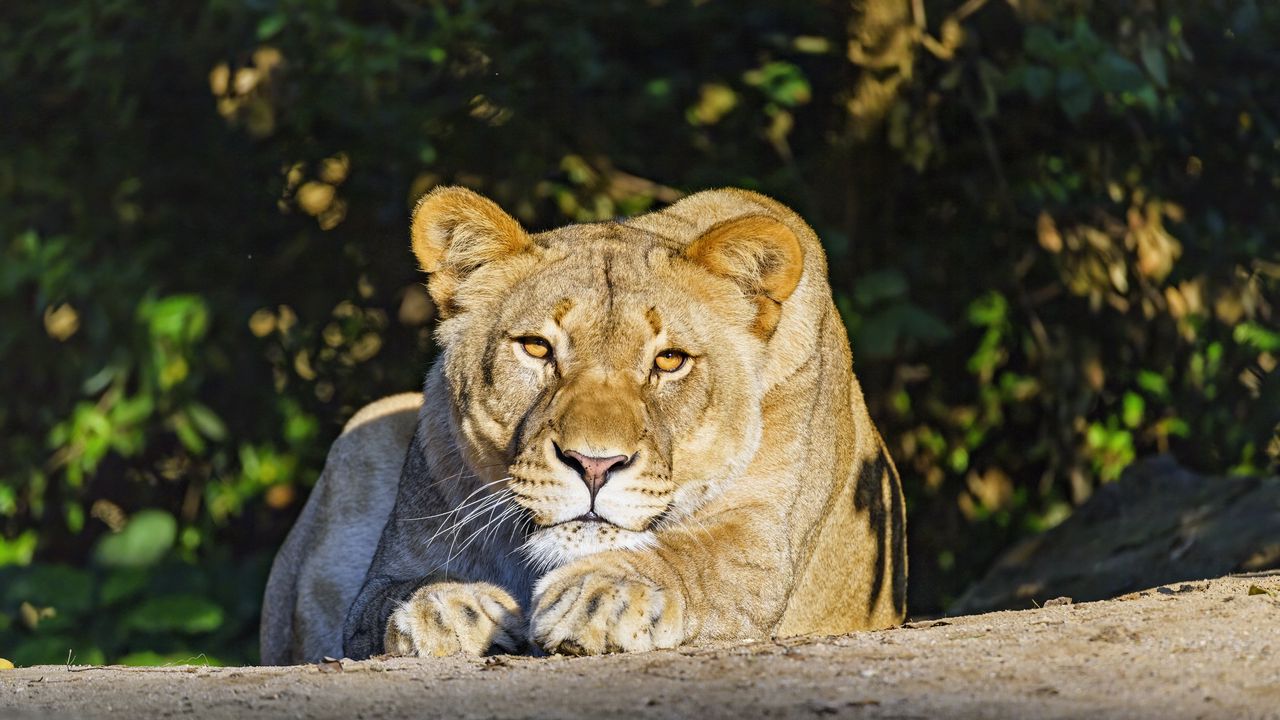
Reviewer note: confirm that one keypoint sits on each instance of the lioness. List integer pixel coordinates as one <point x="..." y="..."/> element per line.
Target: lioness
<point x="638" y="434"/>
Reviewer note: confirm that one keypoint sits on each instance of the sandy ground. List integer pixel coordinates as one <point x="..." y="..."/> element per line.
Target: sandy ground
<point x="1191" y="650"/>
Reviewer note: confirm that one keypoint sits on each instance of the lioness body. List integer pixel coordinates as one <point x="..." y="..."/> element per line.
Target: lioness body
<point x="755" y="498"/>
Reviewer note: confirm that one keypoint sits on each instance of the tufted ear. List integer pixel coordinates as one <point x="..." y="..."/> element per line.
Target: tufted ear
<point x="760" y="254"/>
<point x="454" y="231"/>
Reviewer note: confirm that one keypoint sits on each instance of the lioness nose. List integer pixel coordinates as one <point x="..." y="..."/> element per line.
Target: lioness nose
<point x="593" y="470"/>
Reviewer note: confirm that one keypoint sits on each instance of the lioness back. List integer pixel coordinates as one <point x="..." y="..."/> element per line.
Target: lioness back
<point x="637" y="435"/>
<point x="322" y="563"/>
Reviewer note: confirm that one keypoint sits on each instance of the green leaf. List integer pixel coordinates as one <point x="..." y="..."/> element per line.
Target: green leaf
<point x="781" y="82"/>
<point x="1256" y="335"/>
<point x="876" y="337"/>
<point x="1037" y="81"/>
<point x="920" y="324"/>
<point x="1116" y="73"/>
<point x="1040" y="43"/>
<point x="1177" y="427"/>
<point x="1134" y="407"/>
<point x="19" y="550"/>
<point x="878" y="286"/>
<point x="989" y="309"/>
<point x="208" y="423"/>
<point x="1153" y="383"/>
<point x="131" y="411"/>
<point x="1153" y="60"/>
<point x="1075" y="94"/>
<point x="1086" y="41"/>
<point x="121" y="584"/>
<point x="177" y="318"/>
<point x="187" y="435"/>
<point x="144" y="540"/>
<point x="271" y="25"/>
<point x="175" y="613"/>
<point x="98" y="382"/>
<point x="66" y="589"/>
<point x="55" y="650"/>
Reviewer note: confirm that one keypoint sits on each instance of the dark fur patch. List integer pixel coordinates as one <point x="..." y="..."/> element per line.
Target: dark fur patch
<point x="868" y="497"/>
<point x="655" y="320"/>
<point x="437" y="617"/>
<point x="885" y="511"/>
<point x="469" y="613"/>
<point x="608" y="284"/>
<point x="898" y="539"/>
<point x="593" y="603"/>
<point x="562" y="308"/>
<point x="487" y="362"/>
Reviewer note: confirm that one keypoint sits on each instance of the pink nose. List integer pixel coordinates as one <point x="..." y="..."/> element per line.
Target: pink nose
<point x="594" y="470"/>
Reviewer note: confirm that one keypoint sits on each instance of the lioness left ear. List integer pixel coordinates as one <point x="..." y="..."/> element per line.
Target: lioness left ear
<point x="760" y="254"/>
<point x="454" y="231"/>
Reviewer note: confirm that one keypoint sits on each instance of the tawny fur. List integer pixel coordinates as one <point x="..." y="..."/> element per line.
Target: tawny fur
<point x="761" y="501"/>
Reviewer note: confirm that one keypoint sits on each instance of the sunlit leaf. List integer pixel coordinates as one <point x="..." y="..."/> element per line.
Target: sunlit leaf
<point x="1257" y="336"/>
<point x="781" y="82"/>
<point x="988" y="309"/>
<point x="1133" y="409"/>
<point x="271" y="25"/>
<point x="145" y="539"/>
<point x="207" y="422"/>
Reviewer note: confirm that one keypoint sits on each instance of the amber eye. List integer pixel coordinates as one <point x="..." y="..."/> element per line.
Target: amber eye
<point x="536" y="347"/>
<point x="670" y="360"/>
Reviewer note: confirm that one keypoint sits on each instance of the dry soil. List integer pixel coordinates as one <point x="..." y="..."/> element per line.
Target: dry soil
<point x="1204" y="649"/>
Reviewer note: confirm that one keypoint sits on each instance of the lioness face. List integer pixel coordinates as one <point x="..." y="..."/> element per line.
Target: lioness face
<point x="613" y="377"/>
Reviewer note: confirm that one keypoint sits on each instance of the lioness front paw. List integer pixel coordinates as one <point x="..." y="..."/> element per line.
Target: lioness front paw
<point x="589" y="608"/>
<point x="451" y="618"/>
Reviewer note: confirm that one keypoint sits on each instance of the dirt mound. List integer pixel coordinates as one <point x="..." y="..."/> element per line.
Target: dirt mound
<point x="1200" y="649"/>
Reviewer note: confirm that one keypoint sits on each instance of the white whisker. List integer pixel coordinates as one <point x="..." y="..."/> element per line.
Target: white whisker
<point x="488" y="502"/>
<point x="471" y="538"/>
<point x="460" y="505"/>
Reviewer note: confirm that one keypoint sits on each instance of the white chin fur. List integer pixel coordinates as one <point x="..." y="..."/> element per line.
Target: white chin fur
<point x="552" y="547"/>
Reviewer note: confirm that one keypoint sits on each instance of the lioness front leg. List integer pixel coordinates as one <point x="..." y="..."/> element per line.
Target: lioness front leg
<point x="449" y="618"/>
<point x="605" y="603"/>
<point x="726" y="581"/>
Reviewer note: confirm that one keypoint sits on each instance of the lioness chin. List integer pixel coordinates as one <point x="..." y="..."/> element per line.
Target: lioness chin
<point x="638" y="435"/>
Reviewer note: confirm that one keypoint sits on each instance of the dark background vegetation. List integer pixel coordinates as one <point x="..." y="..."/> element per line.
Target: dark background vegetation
<point x="1052" y="229"/>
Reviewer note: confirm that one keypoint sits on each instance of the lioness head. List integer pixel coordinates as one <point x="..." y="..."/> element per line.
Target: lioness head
<point x="608" y="376"/>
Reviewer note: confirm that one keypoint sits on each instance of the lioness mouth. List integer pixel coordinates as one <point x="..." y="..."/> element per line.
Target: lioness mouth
<point x="589" y="517"/>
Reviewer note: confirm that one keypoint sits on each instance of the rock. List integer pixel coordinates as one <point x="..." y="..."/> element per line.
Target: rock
<point x="1159" y="524"/>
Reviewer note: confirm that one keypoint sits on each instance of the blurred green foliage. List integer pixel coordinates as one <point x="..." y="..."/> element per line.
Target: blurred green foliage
<point x="1052" y="230"/>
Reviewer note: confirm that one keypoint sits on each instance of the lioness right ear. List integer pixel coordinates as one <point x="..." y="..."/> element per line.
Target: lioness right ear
<point x="454" y="231"/>
<point x="760" y="254"/>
